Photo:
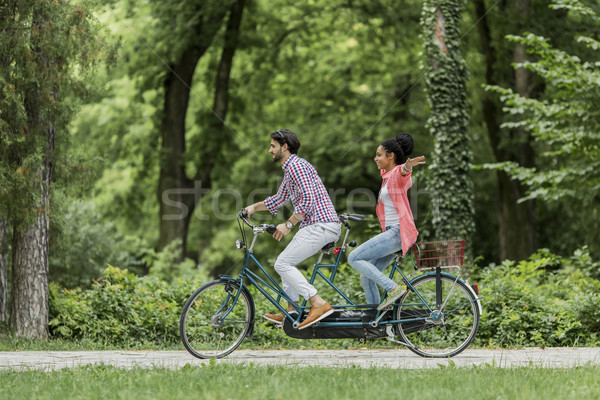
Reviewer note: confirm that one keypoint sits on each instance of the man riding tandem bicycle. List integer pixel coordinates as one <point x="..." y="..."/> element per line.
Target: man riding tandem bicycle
<point x="434" y="314"/>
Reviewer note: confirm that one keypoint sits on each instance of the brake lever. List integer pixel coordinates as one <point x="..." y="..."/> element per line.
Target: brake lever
<point x="244" y="215"/>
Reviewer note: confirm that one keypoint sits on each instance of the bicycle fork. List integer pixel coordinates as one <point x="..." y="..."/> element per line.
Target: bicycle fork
<point x="237" y="286"/>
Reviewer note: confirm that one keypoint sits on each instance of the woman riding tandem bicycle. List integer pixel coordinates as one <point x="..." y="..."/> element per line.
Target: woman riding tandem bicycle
<point x="399" y="231"/>
<point x="437" y="315"/>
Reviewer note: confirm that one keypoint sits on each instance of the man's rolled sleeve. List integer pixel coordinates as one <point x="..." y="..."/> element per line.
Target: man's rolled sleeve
<point x="278" y="200"/>
<point x="271" y="204"/>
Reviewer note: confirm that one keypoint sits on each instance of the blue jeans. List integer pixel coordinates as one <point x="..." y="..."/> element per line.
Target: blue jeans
<point x="372" y="257"/>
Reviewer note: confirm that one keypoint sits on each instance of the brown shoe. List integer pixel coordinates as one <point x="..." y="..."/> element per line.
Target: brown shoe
<point x="315" y="315"/>
<point x="277" y="319"/>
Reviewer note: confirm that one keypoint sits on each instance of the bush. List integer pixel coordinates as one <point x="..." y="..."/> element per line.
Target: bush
<point x="544" y="301"/>
<point x="120" y="308"/>
<point x="123" y="309"/>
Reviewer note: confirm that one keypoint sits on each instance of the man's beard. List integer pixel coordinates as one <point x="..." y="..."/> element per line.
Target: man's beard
<point x="278" y="156"/>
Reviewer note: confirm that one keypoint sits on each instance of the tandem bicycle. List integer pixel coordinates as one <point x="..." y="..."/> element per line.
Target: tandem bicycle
<point x="438" y="316"/>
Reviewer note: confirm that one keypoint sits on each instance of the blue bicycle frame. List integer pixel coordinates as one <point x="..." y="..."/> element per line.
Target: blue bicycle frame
<point x="264" y="286"/>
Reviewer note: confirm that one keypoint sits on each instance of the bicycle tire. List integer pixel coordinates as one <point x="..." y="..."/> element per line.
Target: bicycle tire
<point x="213" y="323"/>
<point x="457" y="324"/>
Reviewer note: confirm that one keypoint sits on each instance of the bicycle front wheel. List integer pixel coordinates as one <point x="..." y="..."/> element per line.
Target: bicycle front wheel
<point x="215" y="319"/>
<point x="444" y="331"/>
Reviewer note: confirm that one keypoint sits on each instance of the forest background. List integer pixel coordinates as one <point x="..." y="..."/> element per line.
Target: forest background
<point x="164" y="136"/>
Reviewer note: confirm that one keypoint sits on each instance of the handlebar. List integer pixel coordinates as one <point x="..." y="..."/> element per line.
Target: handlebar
<point x="345" y="217"/>
<point x="269" y="228"/>
<point x="352" y="217"/>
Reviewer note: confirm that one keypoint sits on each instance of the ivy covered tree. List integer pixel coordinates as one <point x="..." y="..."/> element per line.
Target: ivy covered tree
<point x="446" y="73"/>
<point x="41" y="45"/>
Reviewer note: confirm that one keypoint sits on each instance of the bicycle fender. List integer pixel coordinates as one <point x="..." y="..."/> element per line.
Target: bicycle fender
<point x="252" y="306"/>
<point x="477" y="299"/>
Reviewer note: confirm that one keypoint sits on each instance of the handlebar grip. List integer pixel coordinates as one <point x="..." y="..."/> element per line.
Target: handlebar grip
<point x="244" y="214"/>
<point x="356" y="217"/>
<point x="271" y="229"/>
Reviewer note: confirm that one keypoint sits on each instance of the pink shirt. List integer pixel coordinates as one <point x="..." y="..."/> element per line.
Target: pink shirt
<point x="397" y="186"/>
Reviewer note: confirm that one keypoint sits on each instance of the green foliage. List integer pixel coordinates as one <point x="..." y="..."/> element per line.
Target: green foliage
<point x="565" y="123"/>
<point x="164" y="264"/>
<point x="544" y="301"/>
<point x="120" y="309"/>
<point x="116" y="134"/>
<point x="83" y="243"/>
<point x="309" y="67"/>
<point x="547" y="300"/>
<point x="46" y="49"/>
<point x="446" y="74"/>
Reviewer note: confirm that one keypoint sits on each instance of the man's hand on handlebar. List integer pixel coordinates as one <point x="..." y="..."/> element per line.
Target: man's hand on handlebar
<point x="260" y="206"/>
<point x="249" y="211"/>
<point x="281" y="231"/>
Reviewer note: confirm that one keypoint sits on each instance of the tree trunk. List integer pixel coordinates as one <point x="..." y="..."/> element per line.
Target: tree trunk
<point x="173" y="184"/>
<point x="3" y="269"/>
<point x="216" y="134"/>
<point x="29" y="283"/>
<point x="178" y="194"/>
<point x="526" y="240"/>
<point x="516" y="221"/>
<point x="29" y="287"/>
<point x="29" y="294"/>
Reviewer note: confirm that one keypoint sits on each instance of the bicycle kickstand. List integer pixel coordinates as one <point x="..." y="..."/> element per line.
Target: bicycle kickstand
<point x="389" y="329"/>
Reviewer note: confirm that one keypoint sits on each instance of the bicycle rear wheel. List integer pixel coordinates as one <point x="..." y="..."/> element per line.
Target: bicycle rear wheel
<point x="445" y="332"/>
<point x="216" y="319"/>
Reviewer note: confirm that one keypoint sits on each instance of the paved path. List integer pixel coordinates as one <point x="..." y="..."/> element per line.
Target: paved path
<point x="547" y="358"/>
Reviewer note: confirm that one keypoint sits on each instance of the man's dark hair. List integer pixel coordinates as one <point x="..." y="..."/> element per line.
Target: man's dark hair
<point x="285" y="136"/>
<point x="402" y="147"/>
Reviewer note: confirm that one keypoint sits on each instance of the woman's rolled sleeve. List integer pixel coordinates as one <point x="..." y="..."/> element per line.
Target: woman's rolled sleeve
<point x="404" y="181"/>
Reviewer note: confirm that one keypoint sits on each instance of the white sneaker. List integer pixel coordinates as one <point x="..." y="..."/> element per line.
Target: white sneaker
<point x="393" y="295"/>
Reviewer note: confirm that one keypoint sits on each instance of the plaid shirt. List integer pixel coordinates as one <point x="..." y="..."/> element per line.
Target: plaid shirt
<point x="302" y="185"/>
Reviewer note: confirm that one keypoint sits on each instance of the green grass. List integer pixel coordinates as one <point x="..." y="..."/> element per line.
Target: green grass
<point x="254" y="382"/>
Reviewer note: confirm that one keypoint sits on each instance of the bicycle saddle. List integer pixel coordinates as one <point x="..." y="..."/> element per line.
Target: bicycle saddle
<point x="328" y="246"/>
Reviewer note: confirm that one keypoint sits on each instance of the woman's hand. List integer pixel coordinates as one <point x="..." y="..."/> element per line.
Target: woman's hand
<point x="411" y="162"/>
